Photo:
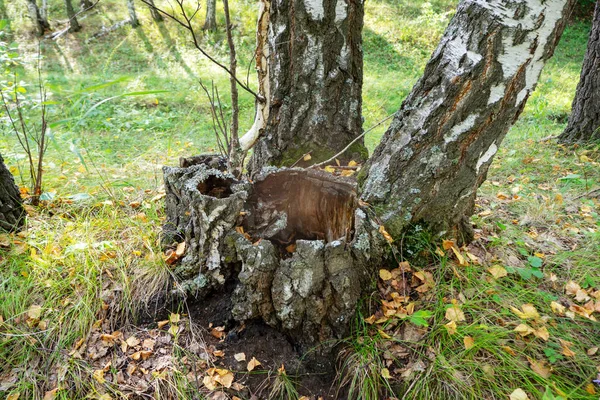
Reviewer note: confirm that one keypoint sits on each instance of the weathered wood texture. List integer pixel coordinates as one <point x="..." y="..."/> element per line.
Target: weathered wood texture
<point x="438" y="149"/>
<point x="293" y="242"/>
<point x="11" y="207"/>
<point x="584" y="121"/>
<point x="316" y="76"/>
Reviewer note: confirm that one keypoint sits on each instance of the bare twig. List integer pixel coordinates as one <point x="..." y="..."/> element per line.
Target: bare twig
<point x="592" y="192"/>
<point x="321" y="164"/>
<point x="186" y="22"/>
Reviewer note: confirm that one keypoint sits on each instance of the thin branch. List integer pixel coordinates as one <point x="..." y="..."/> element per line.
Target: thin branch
<point x="352" y="142"/>
<point x="187" y="24"/>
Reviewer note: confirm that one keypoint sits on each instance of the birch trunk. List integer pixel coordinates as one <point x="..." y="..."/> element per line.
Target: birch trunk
<point x="133" y="19"/>
<point x="74" y="24"/>
<point x="584" y="122"/>
<point x="438" y="149"/>
<point x="11" y="207"/>
<point x="315" y="74"/>
<point x="39" y="20"/>
<point x="210" y="23"/>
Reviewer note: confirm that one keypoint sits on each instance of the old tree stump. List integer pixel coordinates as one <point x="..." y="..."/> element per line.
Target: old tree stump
<point x="292" y="247"/>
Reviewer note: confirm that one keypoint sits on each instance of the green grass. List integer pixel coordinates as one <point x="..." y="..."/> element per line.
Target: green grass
<point x="76" y="248"/>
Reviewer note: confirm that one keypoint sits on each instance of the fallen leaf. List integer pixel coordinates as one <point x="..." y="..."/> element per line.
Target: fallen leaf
<point x="98" y="375"/>
<point x="162" y="323"/>
<point x="34" y="312"/>
<point x="385" y="275"/>
<point x="239" y="357"/>
<point x="557" y="308"/>
<point x="566" y="348"/>
<point x="13" y="396"/>
<point x="590" y="388"/>
<point x="524" y="330"/>
<point x="385" y="373"/>
<point x="529" y="312"/>
<point x="540" y="367"/>
<point x="461" y="260"/>
<point x="50" y="394"/>
<point x="451" y="327"/>
<point x="519" y="394"/>
<point x="180" y="249"/>
<point x="469" y="342"/>
<point x="571" y="288"/>
<point x="454" y="313"/>
<point x="307" y="157"/>
<point x="498" y="272"/>
<point x="542" y="333"/>
<point x="385" y="234"/>
<point x="174" y="318"/>
<point x="592" y="351"/>
<point x="132" y="341"/>
<point x="253" y="364"/>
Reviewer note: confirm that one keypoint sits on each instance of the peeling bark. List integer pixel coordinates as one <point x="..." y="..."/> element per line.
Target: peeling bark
<point x="38" y="18"/>
<point x="315" y="74"/>
<point x="438" y="149"/>
<point x="12" y="214"/>
<point x="584" y="121"/>
<point x="295" y="244"/>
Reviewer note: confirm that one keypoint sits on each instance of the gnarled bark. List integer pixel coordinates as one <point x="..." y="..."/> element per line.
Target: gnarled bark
<point x="12" y="214"/>
<point x="584" y="121"/>
<point x="315" y="73"/>
<point x="438" y="149"/>
<point x="294" y="243"/>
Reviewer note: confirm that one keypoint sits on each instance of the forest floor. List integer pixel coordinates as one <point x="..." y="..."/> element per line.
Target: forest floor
<point x="514" y="314"/>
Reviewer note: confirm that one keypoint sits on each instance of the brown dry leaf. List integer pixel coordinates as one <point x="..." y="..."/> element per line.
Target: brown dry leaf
<point x="427" y="279"/>
<point x="461" y="260"/>
<point x="557" y="308"/>
<point x="174" y="318"/>
<point x="454" y="313"/>
<point x="291" y="248"/>
<point x="161" y="324"/>
<point x="566" y="348"/>
<point x="385" y="275"/>
<point x="571" y="288"/>
<point x="540" y="367"/>
<point x="50" y="394"/>
<point x="218" y="332"/>
<point x="498" y="272"/>
<point x="385" y="234"/>
<point x="474" y="259"/>
<point x="542" y="333"/>
<point x="582" y="311"/>
<point x="218" y="353"/>
<point x="524" y="330"/>
<point x="469" y="342"/>
<point x="253" y="364"/>
<point x="98" y="375"/>
<point x="451" y="327"/>
<point x="370" y="320"/>
<point x="529" y="312"/>
<point x="592" y="351"/>
<point x="448" y="244"/>
<point x="13" y="396"/>
<point x="582" y="295"/>
<point x="180" y="249"/>
<point x="209" y="382"/>
<point x="148" y="344"/>
<point x="132" y="341"/>
<point x="519" y="394"/>
<point x="239" y="357"/>
<point x="34" y="312"/>
<point x="509" y="350"/>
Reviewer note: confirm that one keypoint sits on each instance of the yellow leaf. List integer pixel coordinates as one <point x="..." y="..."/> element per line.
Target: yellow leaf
<point x="519" y="394"/>
<point x="590" y="388"/>
<point x="385" y="275"/>
<point x="385" y="234"/>
<point x="566" y="348"/>
<point x="352" y="163"/>
<point x="540" y="367"/>
<point x="34" y="312"/>
<point x="447" y="244"/>
<point x="572" y="288"/>
<point x="307" y="157"/>
<point x="461" y="260"/>
<point x="451" y="327"/>
<point x="385" y="373"/>
<point x="469" y="342"/>
<point x="50" y="394"/>
<point x="13" y="396"/>
<point x="498" y="272"/>
<point x="329" y="169"/>
<point x="509" y="350"/>
<point x="174" y="318"/>
<point x="253" y="364"/>
<point x="370" y="320"/>
<point x="98" y="375"/>
<point x="524" y="330"/>
<point x="162" y="323"/>
<point x="528" y="312"/>
<point x="455" y="314"/>
<point x="173" y="329"/>
<point x="542" y="333"/>
<point x="557" y="308"/>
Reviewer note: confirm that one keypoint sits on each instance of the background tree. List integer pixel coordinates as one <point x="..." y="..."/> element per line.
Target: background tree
<point x="73" y="23"/>
<point x="154" y="12"/>
<point x="11" y="207"/>
<point x="133" y="19"/>
<point x="39" y="20"/>
<point x="315" y="79"/>
<point x="210" y="22"/>
<point x="85" y="4"/>
<point x="584" y="121"/>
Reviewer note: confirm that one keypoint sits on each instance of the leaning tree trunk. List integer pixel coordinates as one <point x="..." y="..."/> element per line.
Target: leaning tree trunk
<point x="153" y="11"/>
<point x="11" y="208"/>
<point x="73" y="23"/>
<point x="315" y="74"/>
<point x="210" y="23"/>
<point x="40" y="22"/>
<point x="438" y="149"/>
<point x="584" y="122"/>
<point x="133" y="19"/>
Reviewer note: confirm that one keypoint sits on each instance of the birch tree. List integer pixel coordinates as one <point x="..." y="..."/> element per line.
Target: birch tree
<point x="133" y="19"/>
<point x="584" y="121"/>
<point x="40" y="22"/>
<point x="210" y="22"/>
